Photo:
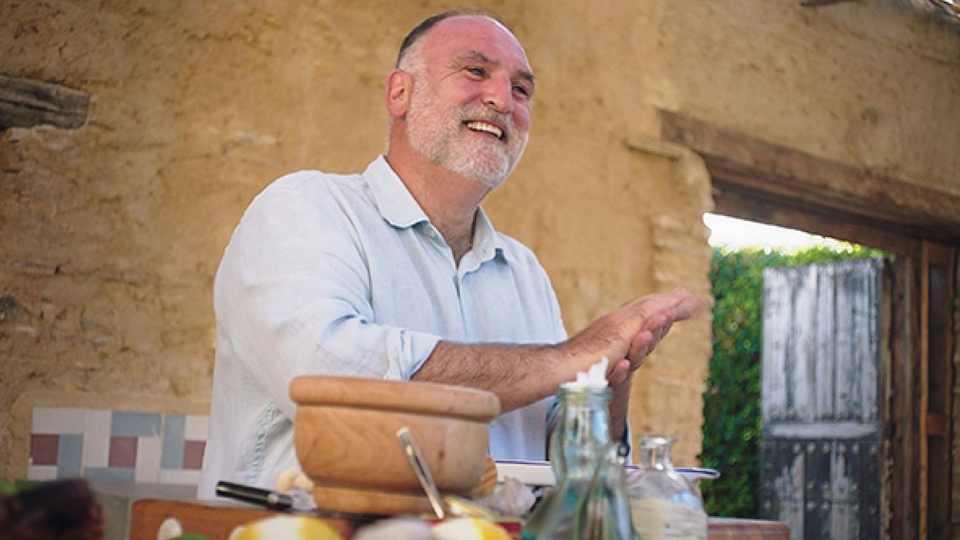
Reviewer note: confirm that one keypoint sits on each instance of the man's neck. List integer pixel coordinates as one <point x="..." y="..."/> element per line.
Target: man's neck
<point x="449" y="200"/>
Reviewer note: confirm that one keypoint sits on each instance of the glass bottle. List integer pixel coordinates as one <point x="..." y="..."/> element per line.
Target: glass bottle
<point x="589" y="501"/>
<point x="663" y="505"/>
<point x="605" y="513"/>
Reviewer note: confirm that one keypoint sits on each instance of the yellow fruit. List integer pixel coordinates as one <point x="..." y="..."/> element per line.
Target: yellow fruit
<point x="469" y="529"/>
<point x="288" y="528"/>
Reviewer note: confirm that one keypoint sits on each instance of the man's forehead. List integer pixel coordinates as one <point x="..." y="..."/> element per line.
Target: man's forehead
<point x="478" y="36"/>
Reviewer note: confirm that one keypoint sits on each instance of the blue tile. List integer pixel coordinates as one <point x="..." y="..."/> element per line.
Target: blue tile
<point x="171" y="450"/>
<point x="123" y="475"/>
<point x="70" y="456"/>
<point x="130" y="424"/>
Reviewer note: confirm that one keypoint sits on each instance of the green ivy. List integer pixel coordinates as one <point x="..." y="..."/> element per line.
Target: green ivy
<point x="731" y="400"/>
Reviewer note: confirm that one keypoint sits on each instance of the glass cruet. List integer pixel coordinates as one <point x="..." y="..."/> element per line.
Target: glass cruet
<point x="605" y="512"/>
<point x="588" y="502"/>
<point x="663" y="505"/>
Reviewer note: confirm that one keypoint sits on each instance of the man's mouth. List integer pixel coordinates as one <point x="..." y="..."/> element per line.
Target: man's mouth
<point x="476" y="125"/>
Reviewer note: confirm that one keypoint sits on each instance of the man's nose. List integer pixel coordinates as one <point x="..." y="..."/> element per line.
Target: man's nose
<point x="498" y="95"/>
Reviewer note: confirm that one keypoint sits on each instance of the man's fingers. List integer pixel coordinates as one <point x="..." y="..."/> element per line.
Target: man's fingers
<point x="648" y="338"/>
<point x="640" y="347"/>
<point x="619" y="372"/>
<point x="676" y="305"/>
<point x="655" y="322"/>
<point x="634" y="330"/>
<point x="690" y="306"/>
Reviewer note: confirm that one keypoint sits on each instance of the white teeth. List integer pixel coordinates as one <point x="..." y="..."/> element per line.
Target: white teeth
<point x="482" y="126"/>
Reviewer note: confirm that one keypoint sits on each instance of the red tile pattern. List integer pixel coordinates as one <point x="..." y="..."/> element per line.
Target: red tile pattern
<point x="193" y="454"/>
<point x="117" y="446"/>
<point x="44" y="448"/>
<point x="123" y="452"/>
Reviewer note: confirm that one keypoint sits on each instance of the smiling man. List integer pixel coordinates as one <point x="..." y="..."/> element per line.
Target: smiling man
<point x="397" y="273"/>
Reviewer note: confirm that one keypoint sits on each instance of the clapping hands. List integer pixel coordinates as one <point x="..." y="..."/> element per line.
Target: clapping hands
<point x="630" y="333"/>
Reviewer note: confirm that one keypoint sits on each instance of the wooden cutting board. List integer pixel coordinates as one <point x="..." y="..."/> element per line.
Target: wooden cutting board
<point x="218" y="521"/>
<point x="211" y="520"/>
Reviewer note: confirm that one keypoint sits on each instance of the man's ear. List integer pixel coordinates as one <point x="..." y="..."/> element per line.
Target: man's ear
<point x="399" y="87"/>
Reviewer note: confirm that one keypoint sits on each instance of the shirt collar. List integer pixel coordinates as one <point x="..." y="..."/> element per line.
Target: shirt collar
<point x="486" y="242"/>
<point x="401" y="210"/>
<point x="392" y="197"/>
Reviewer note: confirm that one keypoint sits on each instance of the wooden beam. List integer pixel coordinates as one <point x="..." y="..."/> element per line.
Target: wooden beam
<point x="814" y="3"/>
<point x="27" y="103"/>
<point x="730" y="201"/>
<point x="903" y="421"/>
<point x="738" y="162"/>
<point x="937" y="376"/>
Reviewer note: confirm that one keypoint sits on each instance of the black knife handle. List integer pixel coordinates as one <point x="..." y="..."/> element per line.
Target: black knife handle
<point x="273" y="500"/>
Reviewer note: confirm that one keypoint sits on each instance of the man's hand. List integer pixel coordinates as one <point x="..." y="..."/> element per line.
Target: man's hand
<point x="629" y="334"/>
<point x="523" y="374"/>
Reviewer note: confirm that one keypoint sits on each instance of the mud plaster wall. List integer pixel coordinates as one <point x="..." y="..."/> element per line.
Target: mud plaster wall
<point x="110" y="234"/>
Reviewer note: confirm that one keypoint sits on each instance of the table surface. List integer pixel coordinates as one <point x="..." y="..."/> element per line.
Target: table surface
<point x="217" y="520"/>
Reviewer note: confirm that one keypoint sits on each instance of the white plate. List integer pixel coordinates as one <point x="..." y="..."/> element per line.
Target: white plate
<point x="539" y="473"/>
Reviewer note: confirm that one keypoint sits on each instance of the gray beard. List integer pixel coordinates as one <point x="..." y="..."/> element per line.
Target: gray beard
<point x="438" y="142"/>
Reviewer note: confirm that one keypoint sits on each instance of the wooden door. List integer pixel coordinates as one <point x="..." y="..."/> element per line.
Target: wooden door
<point x="822" y="438"/>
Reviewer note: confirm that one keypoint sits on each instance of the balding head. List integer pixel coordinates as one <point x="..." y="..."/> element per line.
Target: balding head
<point x="421" y="29"/>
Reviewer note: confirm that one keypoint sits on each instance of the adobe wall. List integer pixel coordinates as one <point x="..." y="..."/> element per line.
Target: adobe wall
<point x="110" y="234"/>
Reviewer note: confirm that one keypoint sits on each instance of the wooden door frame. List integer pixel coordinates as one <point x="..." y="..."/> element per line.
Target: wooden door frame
<point x="937" y="289"/>
<point x="765" y="182"/>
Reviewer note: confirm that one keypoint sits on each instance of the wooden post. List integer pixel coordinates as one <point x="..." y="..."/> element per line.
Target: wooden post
<point x="27" y="103"/>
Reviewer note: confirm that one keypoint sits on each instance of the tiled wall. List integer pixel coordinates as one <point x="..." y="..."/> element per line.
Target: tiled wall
<point x="116" y="446"/>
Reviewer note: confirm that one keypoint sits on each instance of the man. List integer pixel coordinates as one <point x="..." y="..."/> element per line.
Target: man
<point x="396" y="273"/>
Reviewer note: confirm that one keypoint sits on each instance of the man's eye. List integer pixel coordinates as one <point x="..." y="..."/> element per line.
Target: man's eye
<point x="522" y="90"/>
<point x="476" y="71"/>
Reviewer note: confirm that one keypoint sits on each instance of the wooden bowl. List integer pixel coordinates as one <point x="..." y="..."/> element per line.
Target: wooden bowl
<point x="345" y="435"/>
